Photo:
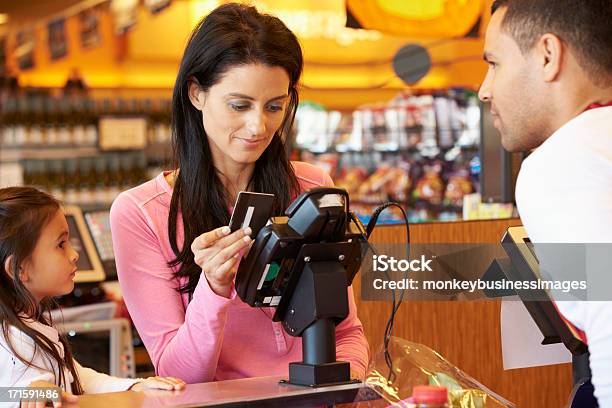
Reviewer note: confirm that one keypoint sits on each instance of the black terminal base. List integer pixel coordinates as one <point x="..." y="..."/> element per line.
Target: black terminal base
<point x="319" y="375"/>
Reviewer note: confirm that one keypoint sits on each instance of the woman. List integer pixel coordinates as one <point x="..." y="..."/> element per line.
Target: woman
<point x="233" y="106"/>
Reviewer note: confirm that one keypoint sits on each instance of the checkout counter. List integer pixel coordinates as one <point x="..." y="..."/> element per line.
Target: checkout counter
<point x="248" y="392"/>
<point x="451" y="328"/>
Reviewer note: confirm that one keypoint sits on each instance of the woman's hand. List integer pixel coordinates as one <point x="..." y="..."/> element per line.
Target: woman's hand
<point x="159" y="383"/>
<point x="66" y="398"/>
<point x="217" y="252"/>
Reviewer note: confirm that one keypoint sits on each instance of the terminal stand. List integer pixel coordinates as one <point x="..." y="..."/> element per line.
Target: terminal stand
<point x="317" y="303"/>
<point x="303" y="264"/>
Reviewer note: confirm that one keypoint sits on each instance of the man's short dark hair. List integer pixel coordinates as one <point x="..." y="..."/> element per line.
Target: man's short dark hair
<point x="585" y="26"/>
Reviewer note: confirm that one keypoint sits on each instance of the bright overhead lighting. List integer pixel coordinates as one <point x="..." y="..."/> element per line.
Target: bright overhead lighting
<point x="3" y="18"/>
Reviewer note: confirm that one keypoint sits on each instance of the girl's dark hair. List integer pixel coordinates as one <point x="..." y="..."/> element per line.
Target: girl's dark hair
<point x="231" y="35"/>
<point x="24" y="212"/>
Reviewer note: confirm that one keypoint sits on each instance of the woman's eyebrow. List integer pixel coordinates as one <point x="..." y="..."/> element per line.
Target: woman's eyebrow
<point x="243" y="96"/>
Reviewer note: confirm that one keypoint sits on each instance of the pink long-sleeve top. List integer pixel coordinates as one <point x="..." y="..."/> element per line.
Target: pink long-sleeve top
<point x="210" y="338"/>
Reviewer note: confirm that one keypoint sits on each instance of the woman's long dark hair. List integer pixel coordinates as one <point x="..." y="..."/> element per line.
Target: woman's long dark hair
<point x="24" y="212"/>
<point x="230" y="36"/>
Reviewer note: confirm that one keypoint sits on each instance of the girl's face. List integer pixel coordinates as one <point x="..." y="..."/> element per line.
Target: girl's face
<point x="242" y="111"/>
<point x="51" y="269"/>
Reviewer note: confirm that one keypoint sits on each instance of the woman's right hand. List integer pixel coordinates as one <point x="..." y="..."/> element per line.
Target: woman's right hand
<point x="217" y="252"/>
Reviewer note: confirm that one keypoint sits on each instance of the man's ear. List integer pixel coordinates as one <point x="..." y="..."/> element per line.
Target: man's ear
<point x="196" y="95"/>
<point x="550" y="49"/>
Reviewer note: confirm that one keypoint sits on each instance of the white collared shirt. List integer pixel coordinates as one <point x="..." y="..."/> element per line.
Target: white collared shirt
<point x="564" y="195"/>
<point x="14" y="373"/>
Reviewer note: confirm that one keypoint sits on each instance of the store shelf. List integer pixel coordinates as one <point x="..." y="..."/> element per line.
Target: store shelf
<point x="412" y="150"/>
<point x="12" y="154"/>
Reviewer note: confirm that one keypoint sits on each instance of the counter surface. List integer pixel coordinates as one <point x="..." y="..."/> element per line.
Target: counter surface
<point x="252" y="392"/>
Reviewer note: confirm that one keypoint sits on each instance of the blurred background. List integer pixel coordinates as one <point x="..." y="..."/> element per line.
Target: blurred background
<point x="388" y="99"/>
<point x="388" y="108"/>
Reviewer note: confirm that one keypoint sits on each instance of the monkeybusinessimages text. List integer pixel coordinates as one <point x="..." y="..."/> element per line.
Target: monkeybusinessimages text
<point x="385" y="264"/>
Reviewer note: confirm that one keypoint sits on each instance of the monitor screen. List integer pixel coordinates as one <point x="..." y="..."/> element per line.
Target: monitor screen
<point x="84" y="263"/>
<point x="89" y="267"/>
<point x="99" y="226"/>
<point x="91" y="349"/>
<point x="103" y="345"/>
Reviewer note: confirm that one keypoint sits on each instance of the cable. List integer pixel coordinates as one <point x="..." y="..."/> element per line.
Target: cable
<point x="395" y="304"/>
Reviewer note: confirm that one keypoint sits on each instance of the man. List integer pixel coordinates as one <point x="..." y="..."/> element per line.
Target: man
<point x="549" y="84"/>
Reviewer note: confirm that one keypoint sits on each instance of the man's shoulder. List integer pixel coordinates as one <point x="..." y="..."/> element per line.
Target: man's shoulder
<point x="582" y="145"/>
<point x="587" y="134"/>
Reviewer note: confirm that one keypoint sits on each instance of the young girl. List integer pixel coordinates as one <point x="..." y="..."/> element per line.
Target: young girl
<point x="37" y="263"/>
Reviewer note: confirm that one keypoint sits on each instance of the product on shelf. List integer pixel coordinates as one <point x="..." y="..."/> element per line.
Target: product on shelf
<point x="415" y="150"/>
<point x="54" y="140"/>
<point x="428" y="123"/>
<point x="46" y="121"/>
<point x="351" y="179"/>
<point x="373" y="188"/>
<point x="399" y="186"/>
<point x="87" y="180"/>
<point x="429" y="187"/>
<point x="387" y="183"/>
<point x="459" y="184"/>
<point x="345" y="139"/>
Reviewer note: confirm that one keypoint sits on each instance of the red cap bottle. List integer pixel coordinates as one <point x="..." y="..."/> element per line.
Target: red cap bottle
<point x="429" y="396"/>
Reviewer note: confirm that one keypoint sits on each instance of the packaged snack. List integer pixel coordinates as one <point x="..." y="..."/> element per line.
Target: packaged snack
<point x="350" y="180"/>
<point x="399" y="184"/>
<point x="379" y="129"/>
<point x="429" y="187"/>
<point x="412" y="126"/>
<point x="459" y="184"/>
<point x="444" y="109"/>
<point x="373" y="189"/>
